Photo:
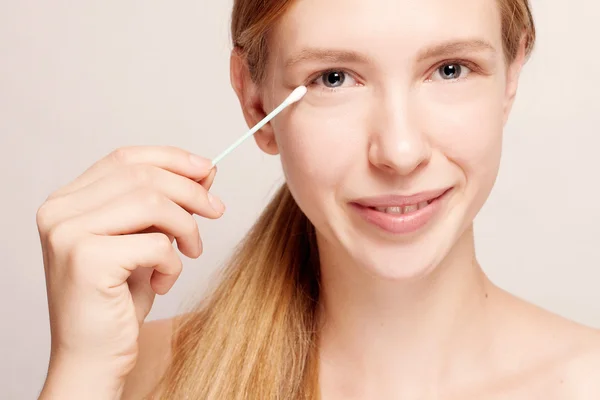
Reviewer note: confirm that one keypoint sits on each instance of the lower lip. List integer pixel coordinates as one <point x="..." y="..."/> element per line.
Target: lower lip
<point x="400" y="224"/>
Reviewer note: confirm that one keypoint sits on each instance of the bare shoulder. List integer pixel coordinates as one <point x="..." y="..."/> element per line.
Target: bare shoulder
<point x="582" y="372"/>
<point x="559" y="358"/>
<point x="153" y="358"/>
<point x="574" y="362"/>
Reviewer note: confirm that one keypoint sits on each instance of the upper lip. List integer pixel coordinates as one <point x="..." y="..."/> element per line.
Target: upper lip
<point x="393" y="200"/>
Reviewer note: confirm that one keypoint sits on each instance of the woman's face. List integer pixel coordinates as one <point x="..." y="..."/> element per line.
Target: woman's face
<point x="396" y="145"/>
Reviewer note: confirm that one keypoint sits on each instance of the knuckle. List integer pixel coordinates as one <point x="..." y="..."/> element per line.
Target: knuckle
<point x="122" y="155"/>
<point x="174" y="266"/>
<point x="162" y="243"/>
<point x="42" y="216"/>
<point x="60" y="236"/>
<point x="177" y="267"/>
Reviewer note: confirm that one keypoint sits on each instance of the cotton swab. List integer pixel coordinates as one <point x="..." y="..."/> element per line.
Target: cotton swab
<point x="296" y="95"/>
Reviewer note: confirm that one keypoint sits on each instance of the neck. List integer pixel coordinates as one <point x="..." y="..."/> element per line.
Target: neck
<point x="403" y="335"/>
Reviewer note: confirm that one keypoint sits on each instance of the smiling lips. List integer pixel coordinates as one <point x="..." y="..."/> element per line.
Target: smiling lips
<point x="400" y="214"/>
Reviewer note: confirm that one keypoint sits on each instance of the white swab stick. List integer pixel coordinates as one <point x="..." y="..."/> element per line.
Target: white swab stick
<point x="296" y="95"/>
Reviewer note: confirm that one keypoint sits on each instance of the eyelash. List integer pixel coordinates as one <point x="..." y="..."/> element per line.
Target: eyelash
<point x="474" y="68"/>
<point x="319" y="75"/>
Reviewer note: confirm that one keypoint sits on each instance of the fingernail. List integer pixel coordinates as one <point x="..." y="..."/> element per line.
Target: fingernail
<point x="216" y="203"/>
<point x="201" y="162"/>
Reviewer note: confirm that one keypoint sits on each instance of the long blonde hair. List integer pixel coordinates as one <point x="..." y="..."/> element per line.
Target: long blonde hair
<point x="255" y="337"/>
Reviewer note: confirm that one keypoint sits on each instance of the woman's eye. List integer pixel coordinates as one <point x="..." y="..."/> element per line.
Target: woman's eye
<point x="333" y="79"/>
<point x="450" y="72"/>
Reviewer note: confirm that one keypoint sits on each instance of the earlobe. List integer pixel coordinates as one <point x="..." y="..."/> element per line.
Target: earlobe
<point x="267" y="143"/>
<point x="249" y="96"/>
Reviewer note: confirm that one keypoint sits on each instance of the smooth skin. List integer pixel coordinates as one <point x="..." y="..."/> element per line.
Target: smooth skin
<point x="429" y="327"/>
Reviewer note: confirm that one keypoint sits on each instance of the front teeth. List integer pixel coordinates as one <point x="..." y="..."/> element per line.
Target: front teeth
<point x="390" y="210"/>
<point x="411" y="208"/>
<point x="403" y="210"/>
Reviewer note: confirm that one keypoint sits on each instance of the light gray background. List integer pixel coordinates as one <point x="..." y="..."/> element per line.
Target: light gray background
<point x="78" y="79"/>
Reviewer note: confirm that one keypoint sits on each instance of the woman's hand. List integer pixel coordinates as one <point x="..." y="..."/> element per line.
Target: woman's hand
<point x="107" y="245"/>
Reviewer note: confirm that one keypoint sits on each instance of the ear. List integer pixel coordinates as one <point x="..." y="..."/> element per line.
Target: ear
<point x="249" y="95"/>
<point x="512" y="78"/>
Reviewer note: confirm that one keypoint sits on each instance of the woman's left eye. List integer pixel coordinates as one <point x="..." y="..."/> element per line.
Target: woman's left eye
<point x="451" y="72"/>
<point x="334" y="79"/>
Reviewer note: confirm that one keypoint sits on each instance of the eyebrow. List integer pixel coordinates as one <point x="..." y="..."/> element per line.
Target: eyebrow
<point x="453" y="47"/>
<point x="345" y="56"/>
<point x="326" y="55"/>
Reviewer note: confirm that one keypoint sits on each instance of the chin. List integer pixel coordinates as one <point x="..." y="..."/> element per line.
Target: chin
<point x="402" y="261"/>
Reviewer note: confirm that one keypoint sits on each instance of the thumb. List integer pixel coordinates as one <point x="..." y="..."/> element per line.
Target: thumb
<point x="142" y="294"/>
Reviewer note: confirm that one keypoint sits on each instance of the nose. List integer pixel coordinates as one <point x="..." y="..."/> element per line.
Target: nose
<point x="396" y="144"/>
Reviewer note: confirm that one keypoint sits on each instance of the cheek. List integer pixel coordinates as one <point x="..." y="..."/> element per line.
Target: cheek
<point x="467" y="129"/>
<point x="318" y="144"/>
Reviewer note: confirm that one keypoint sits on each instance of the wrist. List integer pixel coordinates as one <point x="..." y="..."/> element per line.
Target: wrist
<point x="79" y="378"/>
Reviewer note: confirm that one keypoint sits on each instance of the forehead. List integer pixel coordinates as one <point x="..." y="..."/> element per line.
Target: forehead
<point x="391" y="26"/>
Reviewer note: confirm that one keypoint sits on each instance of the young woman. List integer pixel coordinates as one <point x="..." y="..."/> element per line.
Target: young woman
<point x="360" y="280"/>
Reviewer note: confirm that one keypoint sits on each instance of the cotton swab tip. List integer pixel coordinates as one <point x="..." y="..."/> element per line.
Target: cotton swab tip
<point x="296" y="95"/>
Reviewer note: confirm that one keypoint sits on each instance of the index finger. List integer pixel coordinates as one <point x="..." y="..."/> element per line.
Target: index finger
<point x="170" y="158"/>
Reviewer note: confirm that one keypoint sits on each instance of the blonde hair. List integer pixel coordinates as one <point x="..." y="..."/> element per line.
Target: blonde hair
<point x="255" y="337"/>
